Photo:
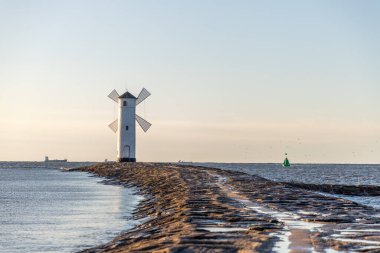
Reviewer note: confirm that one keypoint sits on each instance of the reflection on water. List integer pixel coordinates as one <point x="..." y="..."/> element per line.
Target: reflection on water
<point x="46" y="210"/>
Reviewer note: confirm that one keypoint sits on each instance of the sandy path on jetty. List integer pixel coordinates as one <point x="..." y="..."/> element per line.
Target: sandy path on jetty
<point x="195" y="209"/>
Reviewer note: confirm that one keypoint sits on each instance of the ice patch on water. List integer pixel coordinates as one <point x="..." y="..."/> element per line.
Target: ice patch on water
<point x="357" y="241"/>
<point x="359" y="230"/>
<point x="331" y="251"/>
<point x="308" y="212"/>
<point x="291" y="220"/>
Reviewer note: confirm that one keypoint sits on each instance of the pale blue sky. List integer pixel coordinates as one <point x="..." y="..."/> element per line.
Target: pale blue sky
<point x="233" y="81"/>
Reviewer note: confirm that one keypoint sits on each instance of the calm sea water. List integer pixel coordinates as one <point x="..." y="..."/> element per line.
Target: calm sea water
<point x="349" y="174"/>
<point x="47" y="210"/>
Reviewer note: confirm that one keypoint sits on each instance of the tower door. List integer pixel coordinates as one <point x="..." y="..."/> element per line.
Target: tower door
<point x="126" y="152"/>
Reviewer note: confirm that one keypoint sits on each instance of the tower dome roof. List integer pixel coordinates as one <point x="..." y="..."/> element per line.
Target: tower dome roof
<point x="127" y="95"/>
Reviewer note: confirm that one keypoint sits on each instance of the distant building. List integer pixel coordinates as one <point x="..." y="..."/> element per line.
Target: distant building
<point x="55" y="160"/>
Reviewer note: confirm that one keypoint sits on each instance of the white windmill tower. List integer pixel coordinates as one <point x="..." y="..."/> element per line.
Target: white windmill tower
<point x="125" y="125"/>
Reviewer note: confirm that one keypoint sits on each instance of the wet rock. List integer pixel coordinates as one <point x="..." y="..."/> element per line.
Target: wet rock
<point x="352" y="190"/>
<point x="195" y="209"/>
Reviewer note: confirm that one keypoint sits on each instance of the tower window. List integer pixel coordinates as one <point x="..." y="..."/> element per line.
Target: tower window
<point x="126" y="128"/>
<point x="125" y="103"/>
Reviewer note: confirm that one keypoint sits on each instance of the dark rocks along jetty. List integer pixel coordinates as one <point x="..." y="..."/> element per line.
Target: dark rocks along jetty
<point x="196" y="209"/>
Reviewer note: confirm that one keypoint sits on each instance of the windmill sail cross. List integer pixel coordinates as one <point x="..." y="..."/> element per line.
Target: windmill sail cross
<point x="114" y="96"/>
<point x="114" y="125"/>
<point x="145" y="125"/>
<point x="142" y="96"/>
<point x="125" y="125"/>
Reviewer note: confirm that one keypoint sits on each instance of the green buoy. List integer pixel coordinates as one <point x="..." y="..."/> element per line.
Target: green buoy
<point x="286" y="161"/>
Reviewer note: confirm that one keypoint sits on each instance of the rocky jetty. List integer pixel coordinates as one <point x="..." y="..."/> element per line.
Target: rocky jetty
<point x="196" y="209"/>
<point x="349" y="190"/>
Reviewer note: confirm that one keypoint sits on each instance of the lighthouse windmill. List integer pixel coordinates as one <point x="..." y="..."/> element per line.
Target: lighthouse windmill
<point x="125" y="126"/>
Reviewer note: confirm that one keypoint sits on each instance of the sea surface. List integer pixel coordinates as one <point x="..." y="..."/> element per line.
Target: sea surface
<point x="43" y="209"/>
<point x="342" y="174"/>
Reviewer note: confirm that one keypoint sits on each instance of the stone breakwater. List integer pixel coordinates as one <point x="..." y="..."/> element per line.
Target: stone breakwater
<point x="196" y="209"/>
<point x="349" y="190"/>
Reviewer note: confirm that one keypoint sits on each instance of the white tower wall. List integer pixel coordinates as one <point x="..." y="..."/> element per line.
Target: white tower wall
<point x="126" y="139"/>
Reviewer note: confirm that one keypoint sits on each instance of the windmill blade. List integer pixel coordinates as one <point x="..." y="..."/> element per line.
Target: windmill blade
<point x="114" y="125"/>
<point x="145" y="125"/>
<point x="142" y="96"/>
<point x="114" y="96"/>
